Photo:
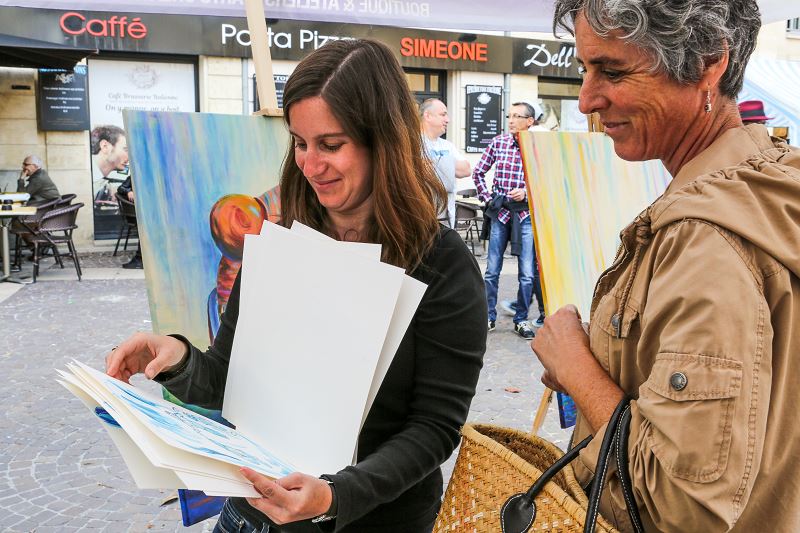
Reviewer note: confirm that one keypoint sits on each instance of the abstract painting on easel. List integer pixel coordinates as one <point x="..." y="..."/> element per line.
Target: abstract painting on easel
<point x="201" y="182"/>
<point x="583" y="195"/>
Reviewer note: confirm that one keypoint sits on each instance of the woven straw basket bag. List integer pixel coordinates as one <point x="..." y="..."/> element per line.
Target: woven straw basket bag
<point x="496" y="462"/>
<point x="508" y="481"/>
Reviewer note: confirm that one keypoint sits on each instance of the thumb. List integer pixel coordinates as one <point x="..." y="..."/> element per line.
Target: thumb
<point x="574" y="309"/>
<point x="154" y="368"/>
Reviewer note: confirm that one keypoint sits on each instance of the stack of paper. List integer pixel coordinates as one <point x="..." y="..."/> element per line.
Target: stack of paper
<point x="319" y="323"/>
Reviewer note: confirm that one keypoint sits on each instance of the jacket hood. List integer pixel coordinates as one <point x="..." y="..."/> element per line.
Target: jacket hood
<point x="745" y="182"/>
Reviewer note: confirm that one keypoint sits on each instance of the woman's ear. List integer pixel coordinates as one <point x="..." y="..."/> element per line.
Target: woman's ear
<point x="714" y="69"/>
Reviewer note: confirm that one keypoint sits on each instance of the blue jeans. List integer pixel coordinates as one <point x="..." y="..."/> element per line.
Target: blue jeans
<point x="498" y="240"/>
<point x="230" y="521"/>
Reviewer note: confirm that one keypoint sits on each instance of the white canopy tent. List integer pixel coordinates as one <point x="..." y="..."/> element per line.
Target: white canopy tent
<point x="775" y="82"/>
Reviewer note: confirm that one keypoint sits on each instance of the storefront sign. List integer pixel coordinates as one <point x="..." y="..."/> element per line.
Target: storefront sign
<point x="62" y="104"/>
<point x="484" y="116"/>
<point x="442" y="49"/>
<point x="509" y="15"/>
<point x="140" y="32"/>
<point x="73" y="23"/>
<point x="545" y="58"/>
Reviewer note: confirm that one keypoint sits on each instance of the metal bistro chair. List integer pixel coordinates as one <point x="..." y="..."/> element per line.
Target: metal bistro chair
<point x="128" y="213"/>
<point x="468" y="223"/>
<point x="25" y="227"/>
<point x="61" y="220"/>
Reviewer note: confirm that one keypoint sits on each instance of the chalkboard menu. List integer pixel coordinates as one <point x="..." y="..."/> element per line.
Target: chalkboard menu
<point x="484" y="116"/>
<point x="280" y="85"/>
<point x="62" y="99"/>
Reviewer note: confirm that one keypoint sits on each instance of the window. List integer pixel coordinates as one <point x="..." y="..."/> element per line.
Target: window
<point x="793" y="27"/>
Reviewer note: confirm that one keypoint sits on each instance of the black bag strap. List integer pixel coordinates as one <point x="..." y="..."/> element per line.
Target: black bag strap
<point x="623" y="469"/>
<point x="519" y="511"/>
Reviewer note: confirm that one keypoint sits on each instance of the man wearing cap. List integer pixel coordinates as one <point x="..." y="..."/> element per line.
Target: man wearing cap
<point x="508" y="215"/>
<point x="752" y="112"/>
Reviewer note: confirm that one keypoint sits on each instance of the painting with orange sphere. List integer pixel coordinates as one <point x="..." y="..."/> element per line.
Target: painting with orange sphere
<point x="201" y="181"/>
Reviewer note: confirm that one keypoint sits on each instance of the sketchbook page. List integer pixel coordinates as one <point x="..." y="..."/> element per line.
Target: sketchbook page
<point x="310" y="332"/>
<point x="158" y="452"/>
<point x="145" y="474"/>
<point x="204" y="473"/>
<point x="367" y="249"/>
<point x="216" y="486"/>
<point x="411" y="293"/>
<point x="187" y="430"/>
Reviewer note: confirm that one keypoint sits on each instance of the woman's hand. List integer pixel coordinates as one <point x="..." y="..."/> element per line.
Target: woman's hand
<point x="289" y="499"/>
<point x="144" y="352"/>
<point x="562" y="346"/>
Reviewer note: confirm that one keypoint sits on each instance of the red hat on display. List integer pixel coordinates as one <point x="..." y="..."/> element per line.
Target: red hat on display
<point x="752" y="110"/>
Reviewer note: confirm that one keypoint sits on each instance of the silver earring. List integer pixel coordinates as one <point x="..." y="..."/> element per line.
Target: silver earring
<point x="708" y="101"/>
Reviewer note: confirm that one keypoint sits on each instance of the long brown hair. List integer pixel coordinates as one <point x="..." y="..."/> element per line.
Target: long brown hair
<point x="363" y="84"/>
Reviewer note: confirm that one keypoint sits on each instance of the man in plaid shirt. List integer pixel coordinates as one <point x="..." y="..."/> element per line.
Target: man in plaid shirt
<point x="508" y="189"/>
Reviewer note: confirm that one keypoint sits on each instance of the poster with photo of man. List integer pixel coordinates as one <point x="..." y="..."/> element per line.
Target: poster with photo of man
<point x="116" y="85"/>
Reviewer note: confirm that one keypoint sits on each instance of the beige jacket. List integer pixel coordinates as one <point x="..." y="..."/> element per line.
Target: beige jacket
<point x="699" y="321"/>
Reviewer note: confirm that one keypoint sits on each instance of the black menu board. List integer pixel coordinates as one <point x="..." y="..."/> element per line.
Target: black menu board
<point x="484" y="116"/>
<point x="63" y="104"/>
<point x="280" y="85"/>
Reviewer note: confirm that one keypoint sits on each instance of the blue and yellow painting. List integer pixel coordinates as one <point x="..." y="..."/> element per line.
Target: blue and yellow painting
<point x="201" y="182"/>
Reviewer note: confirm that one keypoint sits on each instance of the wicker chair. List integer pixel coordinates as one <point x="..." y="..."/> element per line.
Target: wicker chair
<point x="56" y="228"/>
<point x="25" y="227"/>
<point x="66" y="199"/>
<point x="128" y="213"/>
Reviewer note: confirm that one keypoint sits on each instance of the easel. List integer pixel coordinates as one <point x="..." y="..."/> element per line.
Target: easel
<point x="594" y="126"/>
<point x="257" y="24"/>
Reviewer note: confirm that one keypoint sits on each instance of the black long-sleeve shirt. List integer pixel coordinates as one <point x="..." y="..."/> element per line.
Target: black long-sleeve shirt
<point x="413" y="426"/>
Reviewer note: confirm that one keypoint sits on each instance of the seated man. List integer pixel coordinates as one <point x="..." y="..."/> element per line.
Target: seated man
<point x="39" y="185"/>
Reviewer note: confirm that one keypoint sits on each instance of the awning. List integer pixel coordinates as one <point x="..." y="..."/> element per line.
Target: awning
<point x="775" y="82"/>
<point x="498" y="15"/>
<point x="30" y="53"/>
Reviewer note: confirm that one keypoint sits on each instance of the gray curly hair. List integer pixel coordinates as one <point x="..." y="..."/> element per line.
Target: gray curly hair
<point x="682" y="37"/>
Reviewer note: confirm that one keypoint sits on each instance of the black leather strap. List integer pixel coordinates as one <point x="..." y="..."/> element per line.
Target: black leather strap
<point x="603" y="457"/>
<point x="623" y="469"/>
<point x="519" y="511"/>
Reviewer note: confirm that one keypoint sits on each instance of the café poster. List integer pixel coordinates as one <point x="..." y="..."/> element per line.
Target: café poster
<point x="115" y="85"/>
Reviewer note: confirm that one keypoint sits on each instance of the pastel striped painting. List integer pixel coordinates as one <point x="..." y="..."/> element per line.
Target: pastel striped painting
<point x="583" y="195"/>
<point x="201" y="182"/>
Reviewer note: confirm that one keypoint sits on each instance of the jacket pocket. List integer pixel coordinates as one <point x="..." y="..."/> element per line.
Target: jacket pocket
<point x="689" y="401"/>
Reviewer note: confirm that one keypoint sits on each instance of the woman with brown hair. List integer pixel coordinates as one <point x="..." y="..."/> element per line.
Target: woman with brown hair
<point x="355" y="171"/>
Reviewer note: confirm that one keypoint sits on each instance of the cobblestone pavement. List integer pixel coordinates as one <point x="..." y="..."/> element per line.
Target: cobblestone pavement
<point x="59" y="472"/>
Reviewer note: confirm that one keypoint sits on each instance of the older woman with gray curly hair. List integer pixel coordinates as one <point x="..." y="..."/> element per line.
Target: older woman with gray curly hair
<point x="698" y="319"/>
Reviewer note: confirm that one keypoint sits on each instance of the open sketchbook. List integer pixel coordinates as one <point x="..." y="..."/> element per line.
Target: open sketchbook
<point x="297" y="396"/>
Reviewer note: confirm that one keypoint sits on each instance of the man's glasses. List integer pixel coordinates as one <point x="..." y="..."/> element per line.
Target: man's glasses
<point x="515" y="116"/>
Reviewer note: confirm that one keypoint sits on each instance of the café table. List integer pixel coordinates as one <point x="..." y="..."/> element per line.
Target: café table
<point x="6" y="216"/>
